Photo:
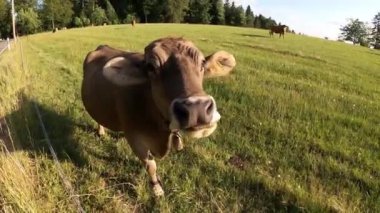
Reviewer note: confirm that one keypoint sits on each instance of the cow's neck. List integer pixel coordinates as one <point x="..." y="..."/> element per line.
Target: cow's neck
<point x="159" y="117"/>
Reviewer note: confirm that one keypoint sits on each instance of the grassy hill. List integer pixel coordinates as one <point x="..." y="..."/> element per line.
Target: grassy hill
<point x="300" y="128"/>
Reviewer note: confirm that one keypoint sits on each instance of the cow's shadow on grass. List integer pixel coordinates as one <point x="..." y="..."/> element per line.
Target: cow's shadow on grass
<point x="62" y="131"/>
<point x="73" y="142"/>
<point x="252" y="35"/>
<point x="28" y="134"/>
<point x="255" y="194"/>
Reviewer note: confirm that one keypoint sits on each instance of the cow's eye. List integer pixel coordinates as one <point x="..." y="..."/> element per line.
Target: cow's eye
<point x="151" y="69"/>
<point x="203" y="65"/>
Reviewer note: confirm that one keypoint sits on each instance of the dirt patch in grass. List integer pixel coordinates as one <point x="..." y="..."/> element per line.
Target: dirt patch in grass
<point x="238" y="162"/>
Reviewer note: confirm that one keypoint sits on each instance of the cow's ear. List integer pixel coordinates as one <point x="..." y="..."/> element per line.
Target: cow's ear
<point x="122" y="71"/>
<point x="219" y="64"/>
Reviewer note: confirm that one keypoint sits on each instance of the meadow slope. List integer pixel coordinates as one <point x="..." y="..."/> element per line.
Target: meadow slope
<point x="300" y="128"/>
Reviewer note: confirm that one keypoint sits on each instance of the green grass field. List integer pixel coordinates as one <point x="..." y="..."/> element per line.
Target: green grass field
<point x="300" y="128"/>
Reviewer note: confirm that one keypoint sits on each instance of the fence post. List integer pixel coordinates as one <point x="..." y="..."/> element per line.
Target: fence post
<point x="8" y="44"/>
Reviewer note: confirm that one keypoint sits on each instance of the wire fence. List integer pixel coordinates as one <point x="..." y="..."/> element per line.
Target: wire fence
<point x="5" y="45"/>
<point x="66" y="183"/>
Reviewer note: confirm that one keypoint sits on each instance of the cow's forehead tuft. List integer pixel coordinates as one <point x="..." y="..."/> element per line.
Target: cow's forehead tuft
<point x="165" y="47"/>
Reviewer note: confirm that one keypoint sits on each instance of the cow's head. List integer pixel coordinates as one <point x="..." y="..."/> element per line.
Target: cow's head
<point x="284" y="27"/>
<point x="175" y="69"/>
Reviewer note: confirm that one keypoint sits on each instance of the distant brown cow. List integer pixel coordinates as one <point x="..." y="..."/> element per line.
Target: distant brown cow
<point x="154" y="97"/>
<point x="133" y="22"/>
<point x="278" y="29"/>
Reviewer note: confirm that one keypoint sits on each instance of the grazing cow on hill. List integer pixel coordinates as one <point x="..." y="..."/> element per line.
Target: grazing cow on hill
<point x="278" y="29"/>
<point x="155" y="97"/>
<point x="133" y="22"/>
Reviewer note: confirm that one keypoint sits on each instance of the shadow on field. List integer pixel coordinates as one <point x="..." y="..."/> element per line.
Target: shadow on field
<point x="282" y="52"/>
<point x="375" y="53"/>
<point x="29" y="136"/>
<point x="254" y="195"/>
<point x="77" y="143"/>
<point x="122" y="173"/>
<point x="252" y="35"/>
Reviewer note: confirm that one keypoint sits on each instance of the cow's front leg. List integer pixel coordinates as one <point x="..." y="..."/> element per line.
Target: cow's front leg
<point x="146" y="158"/>
<point x="154" y="179"/>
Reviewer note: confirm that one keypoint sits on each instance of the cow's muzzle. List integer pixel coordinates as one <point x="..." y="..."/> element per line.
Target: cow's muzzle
<point x="196" y="116"/>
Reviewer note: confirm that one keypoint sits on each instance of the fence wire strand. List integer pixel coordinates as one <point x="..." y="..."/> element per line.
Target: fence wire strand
<point x="69" y="188"/>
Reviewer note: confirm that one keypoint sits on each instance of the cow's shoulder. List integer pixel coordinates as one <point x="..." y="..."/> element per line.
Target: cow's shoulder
<point x="102" y="51"/>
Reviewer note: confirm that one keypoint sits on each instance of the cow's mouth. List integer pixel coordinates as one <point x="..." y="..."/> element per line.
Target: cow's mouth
<point x="197" y="128"/>
<point x="200" y="131"/>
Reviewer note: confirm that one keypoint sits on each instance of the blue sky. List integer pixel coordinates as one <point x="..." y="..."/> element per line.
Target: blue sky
<point x="316" y="18"/>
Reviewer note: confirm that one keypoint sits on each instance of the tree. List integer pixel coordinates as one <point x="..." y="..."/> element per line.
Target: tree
<point x="258" y="21"/>
<point x="147" y="7"/>
<point x="85" y="21"/>
<point x="198" y="12"/>
<point x="99" y="16"/>
<point x="124" y="7"/>
<point x="78" y="22"/>
<point x="85" y="8"/>
<point x="232" y="13"/>
<point x="61" y="13"/>
<point x="238" y="15"/>
<point x="28" y="21"/>
<point x="3" y="9"/>
<point x="175" y="10"/>
<point x="25" y="4"/>
<point x="227" y="13"/>
<point x="376" y="31"/>
<point x="111" y="13"/>
<point x="270" y="22"/>
<point x="355" y="31"/>
<point x="5" y="19"/>
<point x="78" y="7"/>
<point x="157" y="12"/>
<point x="58" y="13"/>
<point x="249" y="17"/>
<point x="217" y="12"/>
<point x="263" y="21"/>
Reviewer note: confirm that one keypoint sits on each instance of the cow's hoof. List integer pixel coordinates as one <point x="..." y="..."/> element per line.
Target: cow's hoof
<point x="157" y="188"/>
<point x="158" y="191"/>
<point x="101" y="131"/>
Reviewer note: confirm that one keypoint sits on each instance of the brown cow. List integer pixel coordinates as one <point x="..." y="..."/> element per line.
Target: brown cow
<point x="154" y="97"/>
<point x="278" y="29"/>
<point x="133" y="22"/>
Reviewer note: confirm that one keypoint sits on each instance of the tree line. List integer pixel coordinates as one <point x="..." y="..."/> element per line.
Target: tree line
<point x="42" y="15"/>
<point x="362" y="33"/>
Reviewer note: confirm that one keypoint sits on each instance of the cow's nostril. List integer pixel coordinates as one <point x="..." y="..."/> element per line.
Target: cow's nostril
<point x="194" y="112"/>
<point x="181" y="112"/>
<point x="209" y="107"/>
<point x="206" y="110"/>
